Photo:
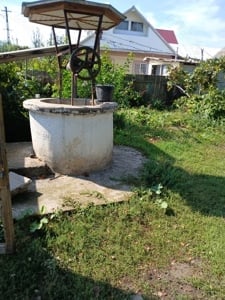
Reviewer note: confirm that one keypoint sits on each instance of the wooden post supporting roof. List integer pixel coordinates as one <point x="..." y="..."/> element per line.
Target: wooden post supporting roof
<point x="5" y="195"/>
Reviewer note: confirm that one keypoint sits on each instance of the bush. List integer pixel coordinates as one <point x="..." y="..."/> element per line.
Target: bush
<point x="208" y="106"/>
<point x="15" y="117"/>
<point x="203" y="94"/>
<point x="16" y="87"/>
<point x="124" y="93"/>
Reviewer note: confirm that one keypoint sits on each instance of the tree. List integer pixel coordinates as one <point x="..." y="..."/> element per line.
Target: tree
<point x="37" y="39"/>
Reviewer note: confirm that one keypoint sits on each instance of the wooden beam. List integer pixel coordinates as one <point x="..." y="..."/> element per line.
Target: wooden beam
<point x="5" y="194"/>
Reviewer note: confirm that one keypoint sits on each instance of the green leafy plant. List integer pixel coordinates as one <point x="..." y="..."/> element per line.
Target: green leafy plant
<point x="42" y="221"/>
<point x="205" y="97"/>
<point x="39" y="224"/>
<point x="116" y="75"/>
<point x="177" y="77"/>
<point x="208" y="106"/>
<point x="203" y="79"/>
<point x="153" y="194"/>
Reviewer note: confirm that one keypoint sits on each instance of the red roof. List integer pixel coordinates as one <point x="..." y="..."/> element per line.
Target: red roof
<point x="168" y="35"/>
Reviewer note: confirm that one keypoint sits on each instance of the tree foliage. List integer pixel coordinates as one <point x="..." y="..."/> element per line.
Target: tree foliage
<point x="115" y="74"/>
<point x="19" y="81"/>
<point x="204" y="95"/>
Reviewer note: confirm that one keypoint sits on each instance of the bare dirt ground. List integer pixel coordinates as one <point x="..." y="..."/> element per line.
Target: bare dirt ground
<point x="172" y="283"/>
<point x="175" y="282"/>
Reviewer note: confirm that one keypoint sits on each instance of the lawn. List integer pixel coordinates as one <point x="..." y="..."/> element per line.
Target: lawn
<point x="166" y="242"/>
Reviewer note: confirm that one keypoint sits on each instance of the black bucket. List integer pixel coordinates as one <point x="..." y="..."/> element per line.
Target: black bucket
<point x="104" y="92"/>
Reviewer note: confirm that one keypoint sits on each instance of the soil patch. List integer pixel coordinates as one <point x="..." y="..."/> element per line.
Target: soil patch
<point x="176" y="281"/>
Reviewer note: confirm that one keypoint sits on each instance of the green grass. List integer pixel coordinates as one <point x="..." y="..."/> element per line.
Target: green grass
<point x="116" y="250"/>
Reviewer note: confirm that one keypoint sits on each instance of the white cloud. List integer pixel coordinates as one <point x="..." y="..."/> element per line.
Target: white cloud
<point x="194" y="22"/>
<point x="198" y="21"/>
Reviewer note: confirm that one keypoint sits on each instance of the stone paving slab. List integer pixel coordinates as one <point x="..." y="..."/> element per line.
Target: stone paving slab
<point x="18" y="183"/>
<point x="61" y="191"/>
<point x="20" y="156"/>
<point x="21" y="160"/>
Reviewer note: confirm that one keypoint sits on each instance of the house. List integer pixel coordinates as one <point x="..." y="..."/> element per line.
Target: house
<point x="154" y="49"/>
<point x="134" y="35"/>
<point x="159" y="66"/>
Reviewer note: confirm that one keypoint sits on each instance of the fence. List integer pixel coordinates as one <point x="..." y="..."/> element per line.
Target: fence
<point x="153" y="88"/>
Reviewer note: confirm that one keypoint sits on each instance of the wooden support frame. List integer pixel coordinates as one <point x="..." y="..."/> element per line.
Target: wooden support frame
<point x="5" y="195"/>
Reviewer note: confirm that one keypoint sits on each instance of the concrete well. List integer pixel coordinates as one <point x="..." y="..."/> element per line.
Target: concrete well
<point x="71" y="139"/>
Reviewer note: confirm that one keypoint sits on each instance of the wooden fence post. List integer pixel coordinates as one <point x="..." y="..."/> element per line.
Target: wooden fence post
<point x="5" y="195"/>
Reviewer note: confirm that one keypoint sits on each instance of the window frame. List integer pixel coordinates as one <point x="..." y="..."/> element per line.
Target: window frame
<point x="134" y="26"/>
<point x="118" y="27"/>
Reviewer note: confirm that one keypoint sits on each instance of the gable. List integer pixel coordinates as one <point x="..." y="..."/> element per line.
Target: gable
<point x="148" y="38"/>
<point x="134" y="34"/>
<point x="134" y="24"/>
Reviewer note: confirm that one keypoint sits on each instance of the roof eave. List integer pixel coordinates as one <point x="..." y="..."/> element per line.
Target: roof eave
<point x="74" y="6"/>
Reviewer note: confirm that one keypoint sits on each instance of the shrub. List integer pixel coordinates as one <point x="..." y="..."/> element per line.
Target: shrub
<point x="124" y="93"/>
<point x="209" y="106"/>
<point x="16" y="85"/>
<point x="203" y="94"/>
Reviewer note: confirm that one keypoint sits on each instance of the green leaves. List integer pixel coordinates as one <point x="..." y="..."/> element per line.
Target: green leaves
<point x="37" y="225"/>
<point x="205" y="87"/>
<point x="205" y="76"/>
<point x="161" y="203"/>
<point x="157" y="189"/>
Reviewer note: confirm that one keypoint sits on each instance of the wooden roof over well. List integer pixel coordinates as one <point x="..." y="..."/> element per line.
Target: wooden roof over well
<point x="80" y="14"/>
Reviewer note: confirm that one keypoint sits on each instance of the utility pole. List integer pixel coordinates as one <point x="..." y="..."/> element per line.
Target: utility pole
<point x="6" y="11"/>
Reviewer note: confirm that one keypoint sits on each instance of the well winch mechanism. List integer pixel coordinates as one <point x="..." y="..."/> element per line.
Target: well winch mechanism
<point x="75" y="16"/>
<point x="85" y="62"/>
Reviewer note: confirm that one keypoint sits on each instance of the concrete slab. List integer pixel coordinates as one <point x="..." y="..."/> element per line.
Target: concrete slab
<point x="18" y="183"/>
<point x="22" y="160"/>
<point x="63" y="192"/>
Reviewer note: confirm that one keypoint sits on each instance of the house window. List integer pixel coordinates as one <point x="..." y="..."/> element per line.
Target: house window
<point x="140" y="68"/>
<point x="137" y="26"/>
<point x="123" y="25"/>
<point x="143" y="69"/>
<point x="159" y="70"/>
<point x="154" y="69"/>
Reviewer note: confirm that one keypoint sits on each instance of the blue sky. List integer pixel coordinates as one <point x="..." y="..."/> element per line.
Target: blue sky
<point x="195" y="22"/>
